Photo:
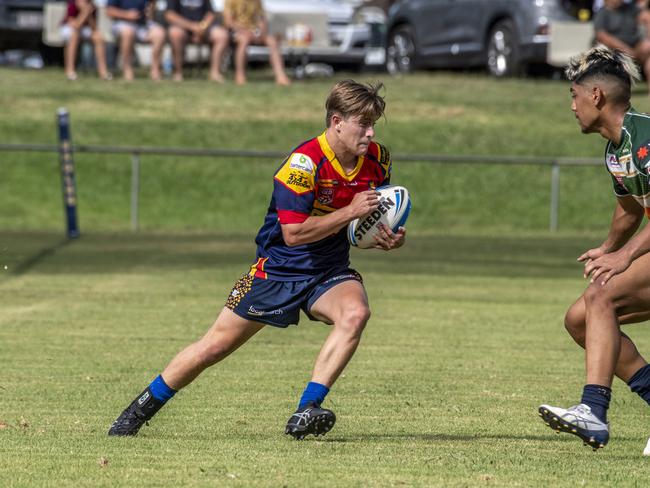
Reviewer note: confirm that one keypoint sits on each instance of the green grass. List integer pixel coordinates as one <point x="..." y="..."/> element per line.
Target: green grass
<point x="433" y="113"/>
<point x="465" y="341"/>
<point x="466" y="337"/>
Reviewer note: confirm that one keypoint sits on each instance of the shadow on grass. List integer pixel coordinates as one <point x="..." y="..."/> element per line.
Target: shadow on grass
<point x="504" y="256"/>
<point x="455" y="438"/>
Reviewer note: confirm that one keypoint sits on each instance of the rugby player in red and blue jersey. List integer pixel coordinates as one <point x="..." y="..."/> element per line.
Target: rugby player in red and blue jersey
<point x="302" y="261"/>
<point x="619" y="289"/>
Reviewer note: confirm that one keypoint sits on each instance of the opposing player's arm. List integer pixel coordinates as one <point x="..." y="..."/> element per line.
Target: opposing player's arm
<point x="619" y="249"/>
<point x="315" y="228"/>
<point x="627" y="217"/>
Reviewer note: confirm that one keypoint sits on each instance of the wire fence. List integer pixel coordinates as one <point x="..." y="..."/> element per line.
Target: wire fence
<point x="136" y="152"/>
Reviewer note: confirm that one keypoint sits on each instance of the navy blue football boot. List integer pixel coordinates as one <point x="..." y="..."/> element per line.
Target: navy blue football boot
<point x="310" y="419"/>
<point x="136" y="415"/>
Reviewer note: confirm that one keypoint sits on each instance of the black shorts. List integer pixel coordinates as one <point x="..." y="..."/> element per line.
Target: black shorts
<point x="278" y="303"/>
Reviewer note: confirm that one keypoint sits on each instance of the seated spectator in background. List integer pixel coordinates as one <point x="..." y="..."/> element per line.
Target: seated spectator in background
<point x="194" y="20"/>
<point x="132" y="20"/>
<point x="80" y="23"/>
<point x="618" y="26"/>
<point x="247" y="21"/>
<point x="598" y="4"/>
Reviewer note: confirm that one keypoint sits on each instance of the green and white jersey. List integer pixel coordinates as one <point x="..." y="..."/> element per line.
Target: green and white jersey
<point x="629" y="161"/>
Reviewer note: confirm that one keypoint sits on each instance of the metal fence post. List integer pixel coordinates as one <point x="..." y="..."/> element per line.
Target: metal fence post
<point x="555" y="196"/>
<point x="135" y="189"/>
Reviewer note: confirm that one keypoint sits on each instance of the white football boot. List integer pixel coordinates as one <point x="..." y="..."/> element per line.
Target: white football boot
<point x="579" y="421"/>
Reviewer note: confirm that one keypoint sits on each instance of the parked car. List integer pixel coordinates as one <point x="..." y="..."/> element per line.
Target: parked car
<point x="504" y="36"/>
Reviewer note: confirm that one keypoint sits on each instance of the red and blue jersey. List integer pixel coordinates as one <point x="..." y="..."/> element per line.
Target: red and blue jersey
<point x="312" y="182"/>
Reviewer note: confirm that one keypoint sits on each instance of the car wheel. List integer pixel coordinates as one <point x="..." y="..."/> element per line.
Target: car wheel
<point x="502" y="50"/>
<point x="400" y="53"/>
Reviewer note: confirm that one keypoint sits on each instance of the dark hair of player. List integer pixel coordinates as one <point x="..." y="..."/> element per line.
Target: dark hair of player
<point x="601" y="64"/>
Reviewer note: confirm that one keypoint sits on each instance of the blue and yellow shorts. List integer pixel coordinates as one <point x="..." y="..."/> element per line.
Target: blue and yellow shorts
<point x="278" y="303"/>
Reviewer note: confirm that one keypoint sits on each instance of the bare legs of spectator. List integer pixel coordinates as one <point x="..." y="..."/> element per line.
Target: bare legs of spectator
<point x="219" y="42"/>
<point x="70" y="54"/>
<point x="127" y="42"/>
<point x="177" y="38"/>
<point x="72" y="47"/>
<point x="277" y="63"/>
<point x="155" y="36"/>
<point x="100" y="55"/>
<point x="244" y="39"/>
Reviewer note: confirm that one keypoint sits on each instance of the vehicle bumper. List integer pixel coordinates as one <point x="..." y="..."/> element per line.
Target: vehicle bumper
<point x="534" y="51"/>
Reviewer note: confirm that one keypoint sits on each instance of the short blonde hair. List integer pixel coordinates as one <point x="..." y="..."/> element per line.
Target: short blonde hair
<point x="350" y="99"/>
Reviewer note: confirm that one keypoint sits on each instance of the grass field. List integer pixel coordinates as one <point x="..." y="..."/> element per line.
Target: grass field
<point x="465" y="341"/>
<point x="466" y="338"/>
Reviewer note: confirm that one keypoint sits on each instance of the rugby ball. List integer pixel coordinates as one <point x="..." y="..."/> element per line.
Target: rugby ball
<point x="393" y="210"/>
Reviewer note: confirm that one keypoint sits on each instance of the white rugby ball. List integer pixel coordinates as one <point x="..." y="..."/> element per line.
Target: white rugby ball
<point x="393" y="210"/>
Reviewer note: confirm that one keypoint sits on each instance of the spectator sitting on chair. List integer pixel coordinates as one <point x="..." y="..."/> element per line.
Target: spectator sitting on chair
<point x="131" y="22"/>
<point x="194" y="20"/>
<point x="247" y="20"/>
<point x="617" y="26"/>
<point x="80" y="23"/>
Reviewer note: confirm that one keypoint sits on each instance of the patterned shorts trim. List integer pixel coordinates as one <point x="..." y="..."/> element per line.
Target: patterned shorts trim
<point x="278" y="303"/>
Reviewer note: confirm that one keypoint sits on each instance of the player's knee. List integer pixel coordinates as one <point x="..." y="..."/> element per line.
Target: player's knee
<point x="574" y="322"/>
<point x="355" y="318"/>
<point x="211" y="353"/>
<point x="597" y="297"/>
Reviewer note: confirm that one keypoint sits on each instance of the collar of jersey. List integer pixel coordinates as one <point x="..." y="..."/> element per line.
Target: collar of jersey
<point x="329" y="154"/>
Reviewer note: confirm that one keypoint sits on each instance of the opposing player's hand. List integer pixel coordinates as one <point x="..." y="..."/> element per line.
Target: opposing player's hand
<point x="386" y="239"/>
<point x="601" y="269"/>
<point x="592" y="254"/>
<point x="364" y="203"/>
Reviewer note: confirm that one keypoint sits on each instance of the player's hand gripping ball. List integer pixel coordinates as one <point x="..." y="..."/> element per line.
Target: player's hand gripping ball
<point x="393" y="210"/>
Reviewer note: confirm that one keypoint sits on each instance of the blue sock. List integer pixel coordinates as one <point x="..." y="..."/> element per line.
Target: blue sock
<point x="597" y="397"/>
<point x="639" y="383"/>
<point x="314" y="392"/>
<point x="160" y="390"/>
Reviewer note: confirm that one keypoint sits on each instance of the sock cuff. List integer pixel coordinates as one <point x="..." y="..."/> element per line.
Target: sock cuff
<point x="640" y="378"/>
<point x="600" y="389"/>
<point x="161" y="390"/>
<point x="317" y="386"/>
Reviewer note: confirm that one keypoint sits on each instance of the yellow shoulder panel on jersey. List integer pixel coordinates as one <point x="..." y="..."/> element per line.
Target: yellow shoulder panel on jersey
<point x="383" y="156"/>
<point x="297" y="173"/>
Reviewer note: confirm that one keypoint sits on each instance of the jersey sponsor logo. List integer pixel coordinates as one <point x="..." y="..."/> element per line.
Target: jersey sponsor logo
<point x="295" y="179"/>
<point x="301" y="162"/>
<point x="613" y="163"/>
<point x="325" y="195"/>
<point x="298" y="179"/>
